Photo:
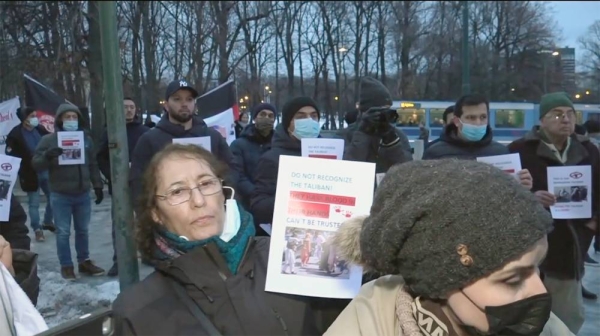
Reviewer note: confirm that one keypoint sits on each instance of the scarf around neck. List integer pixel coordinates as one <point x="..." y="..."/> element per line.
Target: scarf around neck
<point x="170" y="246"/>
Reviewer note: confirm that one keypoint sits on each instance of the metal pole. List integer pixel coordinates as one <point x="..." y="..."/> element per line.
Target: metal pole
<point x="117" y="142"/>
<point x="544" y="65"/>
<point x="466" y="77"/>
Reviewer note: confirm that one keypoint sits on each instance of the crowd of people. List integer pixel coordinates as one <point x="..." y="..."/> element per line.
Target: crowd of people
<point x="460" y="242"/>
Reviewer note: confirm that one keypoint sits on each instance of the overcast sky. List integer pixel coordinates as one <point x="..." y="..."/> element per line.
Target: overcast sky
<point x="574" y="18"/>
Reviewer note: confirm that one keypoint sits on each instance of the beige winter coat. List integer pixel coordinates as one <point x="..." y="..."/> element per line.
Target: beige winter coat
<point x="373" y="311"/>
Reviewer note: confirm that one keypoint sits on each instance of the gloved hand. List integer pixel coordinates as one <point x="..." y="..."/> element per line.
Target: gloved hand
<point x="53" y="153"/>
<point x="99" y="195"/>
<point x="375" y="122"/>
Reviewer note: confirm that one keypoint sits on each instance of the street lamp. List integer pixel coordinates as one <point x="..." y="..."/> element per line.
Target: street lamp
<point x="577" y="96"/>
<point x="587" y="92"/>
<point x="267" y="94"/>
<point x="545" y="65"/>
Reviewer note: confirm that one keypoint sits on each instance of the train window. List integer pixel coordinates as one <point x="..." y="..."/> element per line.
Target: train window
<point x="593" y="116"/>
<point x="410" y="117"/>
<point x="510" y="119"/>
<point x="436" y="117"/>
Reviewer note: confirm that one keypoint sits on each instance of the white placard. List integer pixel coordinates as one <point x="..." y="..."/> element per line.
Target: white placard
<point x="572" y="187"/>
<point x="9" y="171"/>
<point x="322" y="148"/>
<point x="73" y="146"/>
<point x="314" y="197"/>
<point x="508" y="163"/>
<point x="203" y="142"/>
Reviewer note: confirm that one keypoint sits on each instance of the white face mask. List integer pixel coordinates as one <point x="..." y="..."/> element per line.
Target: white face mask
<point x="232" y="219"/>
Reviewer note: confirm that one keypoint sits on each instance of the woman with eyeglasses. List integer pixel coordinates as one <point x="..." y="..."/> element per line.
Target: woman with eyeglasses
<point x="211" y="269"/>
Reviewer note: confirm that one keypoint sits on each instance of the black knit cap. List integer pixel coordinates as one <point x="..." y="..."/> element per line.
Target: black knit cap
<point x="373" y="94"/>
<point x="24" y="111"/>
<point x="443" y="224"/>
<point x="292" y="106"/>
<point x="262" y="106"/>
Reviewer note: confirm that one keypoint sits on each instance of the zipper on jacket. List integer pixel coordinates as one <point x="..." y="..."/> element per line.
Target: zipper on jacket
<point x="80" y="177"/>
<point x="281" y="321"/>
<point x="208" y="297"/>
<point x="248" y="247"/>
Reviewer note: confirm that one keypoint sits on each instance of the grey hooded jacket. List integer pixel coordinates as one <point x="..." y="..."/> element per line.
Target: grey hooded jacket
<point x="67" y="179"/>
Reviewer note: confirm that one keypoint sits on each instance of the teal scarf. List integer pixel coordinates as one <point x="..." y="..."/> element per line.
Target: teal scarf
<point x="170" y="246"/>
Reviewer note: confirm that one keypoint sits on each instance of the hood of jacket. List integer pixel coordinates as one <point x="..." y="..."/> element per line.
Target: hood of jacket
<point x="450" y="135"/>
<point x="281" y="139"/>
<point x="62" y="109"/>
<point x="198" y="126"/>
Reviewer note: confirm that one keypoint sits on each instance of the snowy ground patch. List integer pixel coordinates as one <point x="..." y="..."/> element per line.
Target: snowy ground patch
<point x="61" y="301"/>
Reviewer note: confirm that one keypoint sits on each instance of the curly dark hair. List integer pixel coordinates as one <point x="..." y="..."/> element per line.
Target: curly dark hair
<point x="145" y="225"/>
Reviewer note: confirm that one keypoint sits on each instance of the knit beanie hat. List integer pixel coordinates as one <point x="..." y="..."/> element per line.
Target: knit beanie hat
<point x="554" y="100"/>
<point x="24" y="112"/>
<point x="442" y="234"/>
<point x="292" y="106"/>
<point x="373" y="94"/>
<point x="262" y="106"/>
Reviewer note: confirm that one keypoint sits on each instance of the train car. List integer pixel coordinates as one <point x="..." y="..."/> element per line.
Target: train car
<point x="509" y="121"/>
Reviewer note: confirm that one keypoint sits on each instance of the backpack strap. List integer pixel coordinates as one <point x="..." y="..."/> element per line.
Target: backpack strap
<point x="207" y="325"/>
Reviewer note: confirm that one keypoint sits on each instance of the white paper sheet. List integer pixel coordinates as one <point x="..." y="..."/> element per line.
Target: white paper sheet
<point x="9" y="171"/>
<point x="26" y="320"/>
<point x="572" y="186"/>
<point x="203" y="142"/>
<point x="508" y="163"/>
<point x="323" y="148"/>
<point x="314" y="197"/>
<point x="73" y="146"/>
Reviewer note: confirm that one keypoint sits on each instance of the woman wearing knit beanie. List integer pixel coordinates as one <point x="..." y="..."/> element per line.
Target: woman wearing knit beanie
<point x="461" y="254"/>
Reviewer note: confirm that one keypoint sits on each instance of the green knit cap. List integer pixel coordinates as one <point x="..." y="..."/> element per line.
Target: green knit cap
<point x="554" y="100"/>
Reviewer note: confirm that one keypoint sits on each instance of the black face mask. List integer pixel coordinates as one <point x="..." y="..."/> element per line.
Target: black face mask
<point x="526" y="317"/>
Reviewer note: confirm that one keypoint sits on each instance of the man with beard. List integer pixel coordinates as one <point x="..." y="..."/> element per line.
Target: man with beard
<point x="254" y="141"/>
<point x="178" y="121"/>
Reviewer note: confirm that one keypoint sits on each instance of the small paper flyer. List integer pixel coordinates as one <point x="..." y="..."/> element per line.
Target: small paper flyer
<point x="314" y="197"/>
<point x="203" y="142"/>
<point x="322" y="148"/>
<point x="9" y="171"/>
<point x="73" y="146"/>
<point x="572" y="186"/>
<point x="508" y="163"/>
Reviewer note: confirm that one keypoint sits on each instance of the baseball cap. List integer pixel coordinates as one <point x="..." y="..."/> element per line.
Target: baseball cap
<point x="177" y="85"/>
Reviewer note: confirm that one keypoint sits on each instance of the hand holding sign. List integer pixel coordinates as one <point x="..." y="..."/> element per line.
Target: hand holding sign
<point x="525" y="178"/>
<point x="547" y="199"/>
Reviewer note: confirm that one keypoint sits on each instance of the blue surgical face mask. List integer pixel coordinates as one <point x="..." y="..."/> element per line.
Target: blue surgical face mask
<point x="306" y="128"/>
<point x="473" y="132"/>
<point x="70" y="125"/>
<point x="34" y="122"/>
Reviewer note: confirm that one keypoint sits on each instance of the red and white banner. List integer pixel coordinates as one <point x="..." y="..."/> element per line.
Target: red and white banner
<point x="218" y="107"/>
<point x="8" y="119"/>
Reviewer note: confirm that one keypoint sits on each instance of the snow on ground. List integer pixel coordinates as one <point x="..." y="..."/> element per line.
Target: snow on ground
<point x="62" y="301"/>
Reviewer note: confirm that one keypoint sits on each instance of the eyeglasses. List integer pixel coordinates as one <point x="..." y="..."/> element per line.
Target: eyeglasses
<point x="184" y="194"/>
<point x="561" y="116"/>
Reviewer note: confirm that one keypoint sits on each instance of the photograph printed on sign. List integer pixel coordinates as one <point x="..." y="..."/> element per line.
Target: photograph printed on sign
<point x="310" y="253"/>
<point x="71" y="154"/>
<point x="571" y="194"/>
<point x="4" y="189"/>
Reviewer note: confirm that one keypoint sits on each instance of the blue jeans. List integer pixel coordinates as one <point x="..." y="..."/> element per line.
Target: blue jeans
<point x="34" y="203"/>
<point x="79" y="208"/>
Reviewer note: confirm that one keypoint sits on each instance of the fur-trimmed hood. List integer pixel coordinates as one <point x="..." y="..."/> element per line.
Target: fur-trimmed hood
<point x="347" y="241"/>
